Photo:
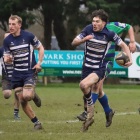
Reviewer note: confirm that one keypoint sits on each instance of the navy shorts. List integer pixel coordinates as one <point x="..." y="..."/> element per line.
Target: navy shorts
<point x="19" y="79"/>
<point x="6" y="84"/>
<point x="101" y="72"/>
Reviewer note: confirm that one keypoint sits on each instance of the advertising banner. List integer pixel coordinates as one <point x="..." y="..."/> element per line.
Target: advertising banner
<point x="134" y="70"/>
<point x="69" y="63"/>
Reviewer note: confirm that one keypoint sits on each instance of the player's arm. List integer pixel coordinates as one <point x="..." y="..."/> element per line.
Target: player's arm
<point x="37" y="67"/>
<point x="8" y="58"/>
<point x="82" y="37"/>
<point x="77" y="40"/>
<point x="37" y="45"/>
<point x="125" y="48"/>
<point x="132" y="45"/>
<point x="41" y="54"/>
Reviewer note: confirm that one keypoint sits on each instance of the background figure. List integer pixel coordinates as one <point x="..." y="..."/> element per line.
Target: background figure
<point x="95" y="67"/>
<point x="7" y="70"/>
<point x="118" y="28"/>
<point x="18" y="48"/>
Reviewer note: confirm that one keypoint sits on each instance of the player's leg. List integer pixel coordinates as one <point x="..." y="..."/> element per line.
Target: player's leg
<point x="103" y="99"/>
<point x="29" y="94"/>
<point x="36" y="98"/>
<point x="109" y="113"/>
<point x="16" y="107"/>
<point x="6" y="88"/>
<point x="26" y="106"/>
<point x="7" y="91"/>
<point x="85" y="86"/>
<point x="83" y="115"/>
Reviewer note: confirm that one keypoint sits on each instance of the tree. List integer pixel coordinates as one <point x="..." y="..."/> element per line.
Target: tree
<point x="54" y="20"/>
<point x="8" y="7"/>
<point x="128" y="11"/>
<point x="66" y="17"/>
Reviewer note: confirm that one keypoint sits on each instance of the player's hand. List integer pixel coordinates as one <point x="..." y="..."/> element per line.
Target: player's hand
<point x="132" y="47"/>
<point x="37" y="68"/>
<point x="8" y="59"/>
<point x="88" y="37"/>
<point x="129" y="63"/>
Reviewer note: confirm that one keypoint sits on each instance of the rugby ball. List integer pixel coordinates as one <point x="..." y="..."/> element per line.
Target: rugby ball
<point x="121" y="58"/>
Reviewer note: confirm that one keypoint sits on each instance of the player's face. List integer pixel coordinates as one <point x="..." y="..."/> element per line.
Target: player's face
<point x="14" y="27"/>
<point x="98" y="24"/>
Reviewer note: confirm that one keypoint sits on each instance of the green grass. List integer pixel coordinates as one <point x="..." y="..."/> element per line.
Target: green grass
<point x="61" y="103"/>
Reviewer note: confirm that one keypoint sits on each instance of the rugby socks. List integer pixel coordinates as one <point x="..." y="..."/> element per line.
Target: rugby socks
<point x="94" y="97"/>
<point x="16" y="111"/>
<point x="35" y="120"/>
<point x="89" y="98"/>
<point x="104" y="102"/>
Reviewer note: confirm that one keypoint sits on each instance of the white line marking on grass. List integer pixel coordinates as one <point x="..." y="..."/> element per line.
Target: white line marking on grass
<point x="59" y="122"/>
<point x="126" y="113"/>
<point x="61" y="133"/>
<point x="76" y="121"/>
<point x="72" y="121"/>
<point x="15" y="121"/>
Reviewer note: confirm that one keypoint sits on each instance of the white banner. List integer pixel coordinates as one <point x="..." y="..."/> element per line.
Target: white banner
<point x="134" y="70"/>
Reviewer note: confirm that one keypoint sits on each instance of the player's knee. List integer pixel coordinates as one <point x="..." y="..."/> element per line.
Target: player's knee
<point x="18" y="90"/>
<point x="7" y="94"/>
<point x="28" y="92"/>
<point x="83" y="86"/>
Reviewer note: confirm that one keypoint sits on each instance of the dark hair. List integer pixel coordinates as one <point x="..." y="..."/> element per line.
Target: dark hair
<point x="101" y="14"/>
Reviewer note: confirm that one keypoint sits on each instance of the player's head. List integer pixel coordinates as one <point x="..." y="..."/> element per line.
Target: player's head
<point x="99" y="19"/>
<point x="15" y="23"/>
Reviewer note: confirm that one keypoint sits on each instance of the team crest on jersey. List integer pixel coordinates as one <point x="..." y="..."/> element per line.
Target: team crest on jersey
<point x="23" y="41"/>
<point x="104" y="37"/>
<point x="11" y="44"/>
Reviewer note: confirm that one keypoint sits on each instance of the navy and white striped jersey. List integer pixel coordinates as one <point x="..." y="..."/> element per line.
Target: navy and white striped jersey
<point x="21" y="48"/>
<point x="97" y="48"/>
<point x="7" y="69"/>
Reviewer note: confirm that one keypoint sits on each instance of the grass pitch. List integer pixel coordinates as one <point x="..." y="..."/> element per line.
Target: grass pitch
<point x="61" y="103"/>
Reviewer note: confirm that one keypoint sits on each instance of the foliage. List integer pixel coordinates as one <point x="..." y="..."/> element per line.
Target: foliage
<point x="64" y="17"/>
<point x="128" y="11"/>
<point x="8" y="7"/>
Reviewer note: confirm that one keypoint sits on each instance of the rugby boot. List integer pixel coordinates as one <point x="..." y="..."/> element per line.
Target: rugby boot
<point x="82" y="116"/>
<point x="109" y="117"/>
<point x="89" y="121"/>
<point x="38" y="126"/>
<point x="16" y="116"/>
